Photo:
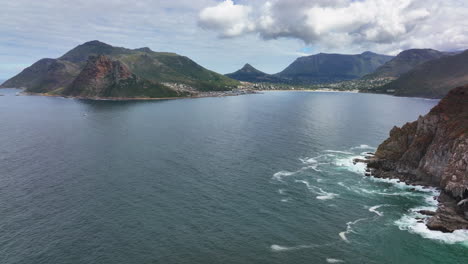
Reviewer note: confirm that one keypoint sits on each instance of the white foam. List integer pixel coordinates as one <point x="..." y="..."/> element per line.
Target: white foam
<point x="284" y="200"/>
<point x="402" y="185"/>
<point x="327" y="196"/>
<point x="343" y="236"/>
<point x="304" y="182"/>
<point x="348" y="163"/>
<point x="373" y="209"/>
<point x="279" y="175"/>
<point x="332" y="260"/>
<point x="281" y="191"/>
<point x="409" y="223"/>
<point x="309" y="161"/>
<point x="339" y="152"/>
<point x="363" y="146"/>
<point x="278" y="248"/>
<point x="349" y="229"/>
<point x="321" y="194"/>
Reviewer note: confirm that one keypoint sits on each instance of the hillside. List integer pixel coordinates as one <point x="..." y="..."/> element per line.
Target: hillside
<point x="433" y="151"/>
<point x="326" y="68"/>
<point x="432" y="79"/>
<point x="404" y="62"/>
<point x="250" y="74"/>
<point x="159" y="70"/>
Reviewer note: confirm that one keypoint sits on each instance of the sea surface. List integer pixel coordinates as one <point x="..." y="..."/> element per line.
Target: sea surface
<point x="261" y="178"/>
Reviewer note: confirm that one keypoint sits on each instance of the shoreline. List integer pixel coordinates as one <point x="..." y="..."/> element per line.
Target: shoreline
<point x="312" y="90"/>
<point x="201" y="95"/>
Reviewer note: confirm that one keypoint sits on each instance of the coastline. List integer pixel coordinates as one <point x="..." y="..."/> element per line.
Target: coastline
<point x="312" y="90"/>
<point x="200" y="95"/>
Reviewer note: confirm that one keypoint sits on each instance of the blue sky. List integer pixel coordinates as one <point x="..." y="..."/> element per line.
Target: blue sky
<point x="224" y="35"/>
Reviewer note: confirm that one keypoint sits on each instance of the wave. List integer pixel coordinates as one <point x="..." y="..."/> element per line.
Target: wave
<point x="348" y="164"/>
<point x="363" y="146"/>
<point x="349" y="229"/>
<point x="309" y="160"/>
<point x="339" y="152"/>
<point x="409" y="223"/>
<point x="278" y="248"/>
<point x="321" y="194"/>
<point x="373" y="209"/>
<point x="279" y="175"/>
<point x="332" y="260"/>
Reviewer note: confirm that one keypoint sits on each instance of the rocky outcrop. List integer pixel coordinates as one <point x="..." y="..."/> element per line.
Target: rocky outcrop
<point x="103" y="77"/>
<point x="98" y="77"/>
<point x="433" y="151"/>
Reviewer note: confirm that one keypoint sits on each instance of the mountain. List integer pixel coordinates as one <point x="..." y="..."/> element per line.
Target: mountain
<point x="323" y="68"/>
<point x="432" y="79"/>
<point x="404" y="62"/>
<point x="249" y="74"/>
<point x="118" y="72"/>
<point x="433" y="151"/>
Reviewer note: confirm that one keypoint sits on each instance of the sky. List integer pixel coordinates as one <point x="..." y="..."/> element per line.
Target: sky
<point x="223" y="35"/>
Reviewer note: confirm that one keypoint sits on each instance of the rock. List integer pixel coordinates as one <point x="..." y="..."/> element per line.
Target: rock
<point x="427" y="212"/>
<point x="433" y="151"/>
<point x="360" y="161"/>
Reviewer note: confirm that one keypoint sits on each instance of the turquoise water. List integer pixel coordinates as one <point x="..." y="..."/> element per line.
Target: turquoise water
<point x="263" y="178"/>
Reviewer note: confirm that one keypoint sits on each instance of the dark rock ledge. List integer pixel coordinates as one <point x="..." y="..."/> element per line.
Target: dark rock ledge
<point x="432" y="151"/>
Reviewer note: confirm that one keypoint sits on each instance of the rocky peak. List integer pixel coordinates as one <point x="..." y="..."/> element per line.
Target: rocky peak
<point x="248" y="68"/>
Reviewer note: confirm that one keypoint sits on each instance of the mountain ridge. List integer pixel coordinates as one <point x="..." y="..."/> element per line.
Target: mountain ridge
<point x="432" y="79"/>
<point x="152" y="68"/>
<point x="332" y="67"/>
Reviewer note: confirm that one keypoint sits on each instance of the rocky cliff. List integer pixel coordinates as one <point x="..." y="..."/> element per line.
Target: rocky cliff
<point x="433" y="151"/>
<point x="104" y="77"/>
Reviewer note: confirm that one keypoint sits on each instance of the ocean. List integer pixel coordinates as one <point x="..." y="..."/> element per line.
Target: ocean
<point x="260" y="178"/>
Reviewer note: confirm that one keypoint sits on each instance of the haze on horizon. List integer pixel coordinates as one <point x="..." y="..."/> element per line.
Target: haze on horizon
<point x="224" y="35"/>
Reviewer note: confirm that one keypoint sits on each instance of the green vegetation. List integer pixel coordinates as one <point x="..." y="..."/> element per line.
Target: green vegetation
<point x="54" y="76"/>
<point x="329" y="68"/>
<point x="433" y="79"/>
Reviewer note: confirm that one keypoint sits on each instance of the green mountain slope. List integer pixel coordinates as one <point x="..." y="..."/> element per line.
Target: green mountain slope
<point x="325" y="68"/>
<point x="250" y="74"/>
<point x="432" y="79"/>
<point x="404" y="62"/>
<point x="155" y="69"/>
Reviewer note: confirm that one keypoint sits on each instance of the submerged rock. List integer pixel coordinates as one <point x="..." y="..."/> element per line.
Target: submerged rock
<point x="433" y="151"/>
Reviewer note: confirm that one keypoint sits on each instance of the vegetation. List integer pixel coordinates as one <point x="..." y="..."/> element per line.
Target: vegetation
<point x="150" y="68"/>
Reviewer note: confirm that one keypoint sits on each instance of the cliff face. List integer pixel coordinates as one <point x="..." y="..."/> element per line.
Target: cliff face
<point x="104" y="77"/>
<point x="433" y="151"/>
<point x="98" y="77"/>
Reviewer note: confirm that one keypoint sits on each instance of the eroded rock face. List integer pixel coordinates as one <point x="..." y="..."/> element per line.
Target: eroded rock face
<point x="99" y="76"/>
<point x="433" y="151"/>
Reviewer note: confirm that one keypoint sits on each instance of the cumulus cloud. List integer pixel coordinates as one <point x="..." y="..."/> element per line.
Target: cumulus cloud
<point x="230" y="19"/>
<point x="380" y="24"/>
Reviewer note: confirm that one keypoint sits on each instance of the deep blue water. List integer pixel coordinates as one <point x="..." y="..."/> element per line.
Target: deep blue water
<point x="263" y="178"/>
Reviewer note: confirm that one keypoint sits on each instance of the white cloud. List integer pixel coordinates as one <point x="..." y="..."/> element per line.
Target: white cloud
<point x="381" y="25"/>
<point x="227" y="17"/>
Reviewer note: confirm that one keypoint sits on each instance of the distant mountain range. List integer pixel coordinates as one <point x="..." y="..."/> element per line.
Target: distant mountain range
<point x="319" y="68"/>
<point x="96" y="69"/>
<point x="325" y="68"/>
<point x="404" y="62"/>
<point x="416" y="72"/>
<point x="434" y="78"/>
